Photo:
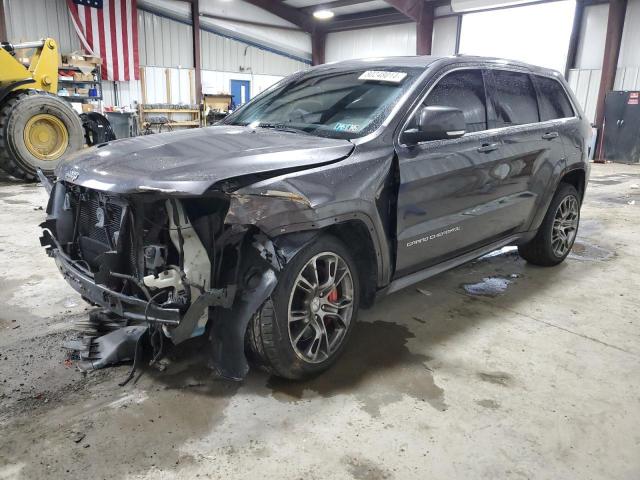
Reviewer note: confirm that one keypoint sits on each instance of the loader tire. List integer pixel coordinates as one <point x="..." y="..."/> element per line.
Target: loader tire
<point x="37" y="130"/>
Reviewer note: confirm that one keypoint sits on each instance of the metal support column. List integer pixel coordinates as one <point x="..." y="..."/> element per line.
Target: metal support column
<point x="424" y="29"/>
<point x="195" y="22"/>
<point x="575" y="38"/>
<point x="615" y="25"/>
<point x="458" y="33"/>
<point x="318" y="42"/>
<point x="4" y="37"/>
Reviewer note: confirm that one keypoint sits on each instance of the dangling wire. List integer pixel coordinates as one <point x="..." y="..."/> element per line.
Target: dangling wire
<point x="155" y="330"/>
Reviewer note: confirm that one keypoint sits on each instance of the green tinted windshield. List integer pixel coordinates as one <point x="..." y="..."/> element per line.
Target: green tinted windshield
<point x="338" y="104"/>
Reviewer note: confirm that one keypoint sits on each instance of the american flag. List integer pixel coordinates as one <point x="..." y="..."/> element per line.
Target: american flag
<point x="109" y="29"/>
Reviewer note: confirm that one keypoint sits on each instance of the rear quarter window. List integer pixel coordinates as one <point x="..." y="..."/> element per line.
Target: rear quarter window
<point x="514" y="99"/>
<point x="554" y="103"/>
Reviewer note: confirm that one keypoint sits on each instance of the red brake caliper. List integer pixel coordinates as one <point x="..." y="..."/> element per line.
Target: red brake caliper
<point x="333" y="295"/>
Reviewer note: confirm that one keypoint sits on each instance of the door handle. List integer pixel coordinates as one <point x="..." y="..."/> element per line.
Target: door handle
<point x="550" y="135"/>
<point x="488" y="147"/>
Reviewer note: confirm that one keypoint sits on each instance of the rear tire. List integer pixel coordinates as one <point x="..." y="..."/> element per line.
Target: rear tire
<point x="558" y="230"/>
<point x="63" y="133"/>
<point x="272" y="333"/>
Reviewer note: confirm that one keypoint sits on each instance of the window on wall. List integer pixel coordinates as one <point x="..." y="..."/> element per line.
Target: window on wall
<point x="463" y="89"/>
<point x="514" y="99"/>
<point x="537" y="34"/>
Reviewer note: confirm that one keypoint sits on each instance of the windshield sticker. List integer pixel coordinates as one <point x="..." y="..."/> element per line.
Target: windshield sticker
<point x="346" y="127"/>
<point x="382" y="76"/>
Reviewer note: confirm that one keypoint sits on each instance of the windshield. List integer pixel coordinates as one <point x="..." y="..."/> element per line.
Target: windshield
<point x="337" y="104"/>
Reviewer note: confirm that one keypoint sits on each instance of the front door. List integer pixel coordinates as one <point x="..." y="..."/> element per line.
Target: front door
<point x="448" y="188"/>
<point x="240" y="92"/>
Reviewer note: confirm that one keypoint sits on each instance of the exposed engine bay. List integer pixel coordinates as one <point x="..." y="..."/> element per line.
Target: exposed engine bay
<point x="168" y="263"/>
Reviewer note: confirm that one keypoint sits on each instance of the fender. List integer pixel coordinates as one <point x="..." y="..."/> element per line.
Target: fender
<point x="278" y="213"/>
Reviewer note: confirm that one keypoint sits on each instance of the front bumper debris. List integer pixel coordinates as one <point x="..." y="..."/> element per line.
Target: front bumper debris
<point x="115" y="347"/>
<point x="125" y="306"/>
<point x="137" y="309"/>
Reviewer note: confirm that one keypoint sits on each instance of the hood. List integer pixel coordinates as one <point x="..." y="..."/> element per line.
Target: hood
<point x="191" y="161"/>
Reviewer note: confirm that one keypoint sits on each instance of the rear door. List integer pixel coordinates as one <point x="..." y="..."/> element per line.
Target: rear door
<point x="532" y="150"/>
<point x="558" y="115"/>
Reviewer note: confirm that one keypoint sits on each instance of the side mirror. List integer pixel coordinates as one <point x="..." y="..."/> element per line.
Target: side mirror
<point x="435" y="123"/>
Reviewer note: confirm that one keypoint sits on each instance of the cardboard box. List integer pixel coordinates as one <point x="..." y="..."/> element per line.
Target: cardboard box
<point x="217" y="102"/>
<point x="79" y="60"/>
<point x="87" y="107"/>
<point x="82" y="92"/>
<point x="83" y="77"/>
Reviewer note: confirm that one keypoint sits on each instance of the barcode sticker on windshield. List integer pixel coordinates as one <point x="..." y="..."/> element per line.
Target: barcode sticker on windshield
<point x="382" y="76"/>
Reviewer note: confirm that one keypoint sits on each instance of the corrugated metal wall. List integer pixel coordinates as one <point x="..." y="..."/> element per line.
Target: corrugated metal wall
<point x="164" y="42"/>
<point x="227" y="55"/>
<point x="371" y="42"/>
<point x="628" y="76"/>
<point x="445" y="31"/>
<point x="33" y="19"/>
<point x="585" y="77"/>
<point x="585" y="83"/>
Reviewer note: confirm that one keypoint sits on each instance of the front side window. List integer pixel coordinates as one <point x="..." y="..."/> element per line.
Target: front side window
<point x="514" y="99"/>
<point x="553" y="100"/>
<point x="337" y="104"/>
<point x="464" y="90"/>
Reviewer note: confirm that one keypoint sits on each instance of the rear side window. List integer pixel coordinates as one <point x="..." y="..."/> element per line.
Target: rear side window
<point x="553" y="100"/>
<point x="463" y="89"/>
<point x="514" y="99"/>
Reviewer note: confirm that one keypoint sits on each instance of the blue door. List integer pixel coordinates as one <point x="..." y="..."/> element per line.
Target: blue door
<point x="240" y="91"/>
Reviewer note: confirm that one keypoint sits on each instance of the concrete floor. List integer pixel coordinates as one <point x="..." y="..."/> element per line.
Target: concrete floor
<point x="494" y="370"/>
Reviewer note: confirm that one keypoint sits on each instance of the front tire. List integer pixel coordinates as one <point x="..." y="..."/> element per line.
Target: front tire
<point x="37" y="130"/>
<point x="304" y="326"/>
<point x="558" y="230"/>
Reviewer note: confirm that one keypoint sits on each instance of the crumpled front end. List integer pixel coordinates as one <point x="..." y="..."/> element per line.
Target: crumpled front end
<point x="171" y="263"/>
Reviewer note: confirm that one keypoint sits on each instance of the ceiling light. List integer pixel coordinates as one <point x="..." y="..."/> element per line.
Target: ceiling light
<point x="323" y="14"/>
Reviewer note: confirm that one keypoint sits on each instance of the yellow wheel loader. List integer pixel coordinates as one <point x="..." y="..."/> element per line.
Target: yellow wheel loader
<point x="37" y="128"/>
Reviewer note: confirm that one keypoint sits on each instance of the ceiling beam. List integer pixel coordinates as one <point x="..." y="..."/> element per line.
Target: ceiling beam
<point x="249" y="22"/>
<point x="411" y="8"/>
<point x="332" y="5"/>
<point x="375" y="18"/>
<point x="290" y="14"/>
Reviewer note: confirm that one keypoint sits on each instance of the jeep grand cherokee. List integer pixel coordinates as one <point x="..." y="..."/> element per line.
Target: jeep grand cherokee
<point x="339" y="184"/>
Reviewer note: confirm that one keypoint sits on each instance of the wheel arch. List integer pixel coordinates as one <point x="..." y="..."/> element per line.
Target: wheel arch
<point x="574" y="176"/>
<point x="577" y="178"/>
<point x="357" y="239"/>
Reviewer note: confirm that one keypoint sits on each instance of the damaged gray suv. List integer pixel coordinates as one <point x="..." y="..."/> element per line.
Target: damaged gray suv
<point x="337" y="185"/>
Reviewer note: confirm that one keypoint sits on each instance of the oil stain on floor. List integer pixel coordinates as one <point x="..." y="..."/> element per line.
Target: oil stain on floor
<point x="377" y="350"/>
<point x="586" y="251"/>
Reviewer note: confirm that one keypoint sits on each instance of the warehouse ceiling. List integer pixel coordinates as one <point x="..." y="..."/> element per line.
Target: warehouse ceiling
<point x="338" y="7"/>
<point x="336" y="15"/>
